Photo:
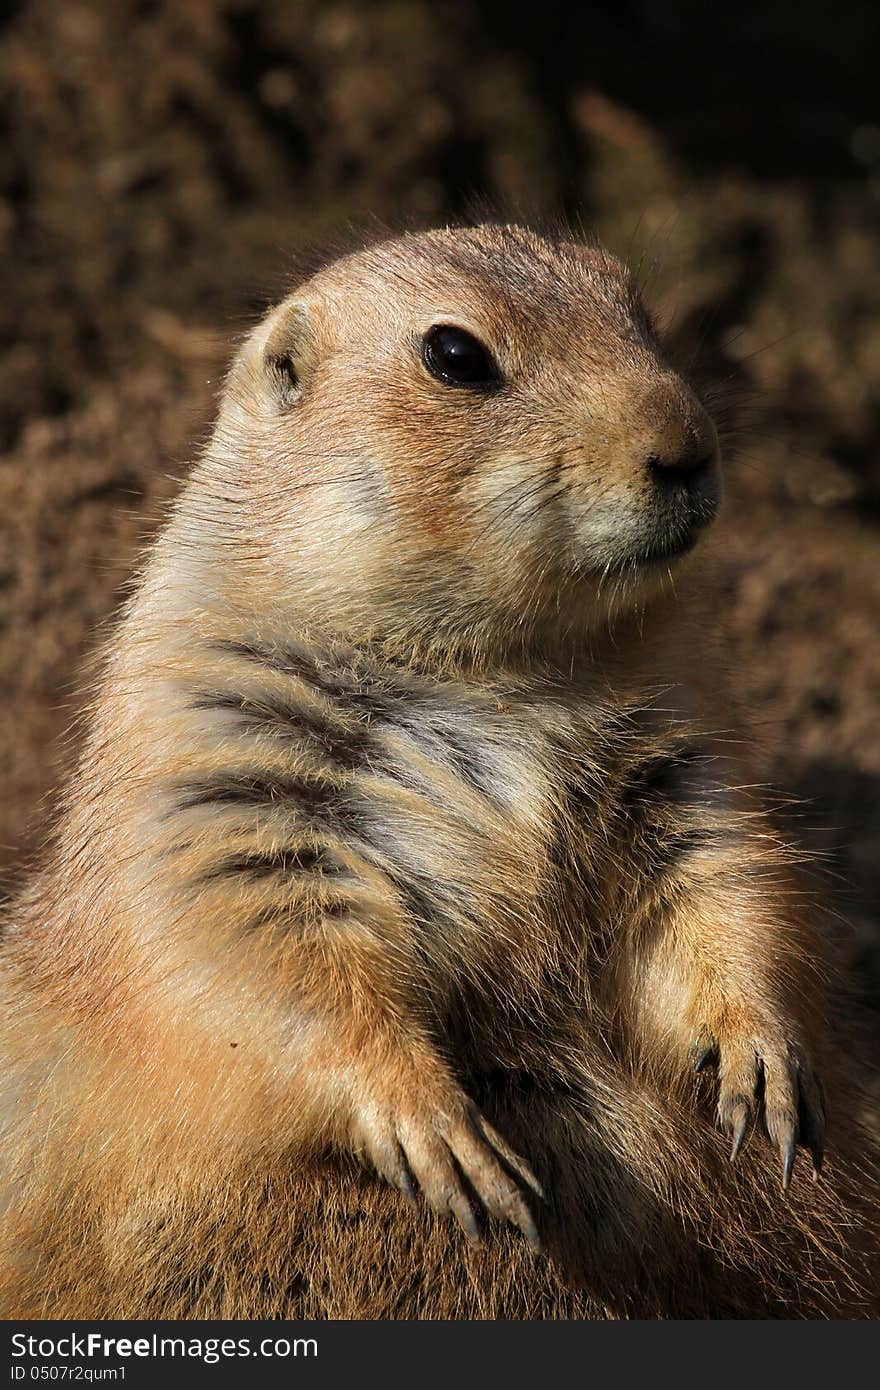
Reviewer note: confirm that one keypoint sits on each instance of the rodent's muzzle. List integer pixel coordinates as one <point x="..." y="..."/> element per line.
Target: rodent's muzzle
<point x="684" y="474"/>
<point x="693" y="485"/>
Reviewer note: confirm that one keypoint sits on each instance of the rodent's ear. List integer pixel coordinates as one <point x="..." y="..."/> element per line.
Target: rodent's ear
<point x="290" y="353"/>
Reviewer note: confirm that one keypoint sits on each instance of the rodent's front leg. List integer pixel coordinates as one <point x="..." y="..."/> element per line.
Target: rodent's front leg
<point x="417" y="1126"/>
<point x="395" y="1101"/>
<point x="727" y="975"/>
<point x="769" y="1075"/>
<point x="750" y="969"/>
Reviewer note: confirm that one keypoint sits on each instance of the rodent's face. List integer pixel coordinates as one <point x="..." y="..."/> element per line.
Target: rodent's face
<point x="481" y="409"/>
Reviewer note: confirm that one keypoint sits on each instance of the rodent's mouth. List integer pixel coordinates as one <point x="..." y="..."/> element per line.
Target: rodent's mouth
<point x="656" y="556"/>
<point x="667" y="538"/>
<point x="668" y="550"/>
<point x="683" y="531"/>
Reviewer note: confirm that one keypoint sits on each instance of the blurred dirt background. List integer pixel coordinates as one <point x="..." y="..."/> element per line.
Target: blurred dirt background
<point x="163" y="163"/>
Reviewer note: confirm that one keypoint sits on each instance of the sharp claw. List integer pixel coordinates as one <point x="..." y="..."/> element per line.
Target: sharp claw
<point x="407" y="1187"/>
<point x="787" y="1150"/>
<point x="464" y="1213"/>
<point x="512" y="1159"/>
<point x="522" y="1170"/>
<point x="703" y="1056"/>
<point x="811" y="1122"/>
<point x="817" y="1153"/>
<point x="528" y="1177"/>
<point x="530" y="1231"/>
<point x="740" y="1123"/>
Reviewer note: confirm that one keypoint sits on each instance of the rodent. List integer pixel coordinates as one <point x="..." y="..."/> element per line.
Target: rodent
<point x="402" y="878"/>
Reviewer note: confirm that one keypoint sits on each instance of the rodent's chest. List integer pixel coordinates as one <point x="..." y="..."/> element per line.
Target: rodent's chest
<point x="471" y="809"/>
<point x="553" y="803"/>
<point x="476" y="758"/>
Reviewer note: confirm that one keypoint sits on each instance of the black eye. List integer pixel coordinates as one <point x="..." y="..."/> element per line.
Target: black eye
<point x="456" y="357"/>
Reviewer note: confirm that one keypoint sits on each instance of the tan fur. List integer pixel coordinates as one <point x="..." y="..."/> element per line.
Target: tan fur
<point x="400" y="836"/>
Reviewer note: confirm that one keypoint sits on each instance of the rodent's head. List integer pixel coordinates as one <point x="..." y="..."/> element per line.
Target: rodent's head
<point x="467" y="431"/>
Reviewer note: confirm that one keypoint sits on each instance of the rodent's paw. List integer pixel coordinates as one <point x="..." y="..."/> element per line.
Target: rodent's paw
<point x="775" y="1081"/>
<point x="442" y="1149"/>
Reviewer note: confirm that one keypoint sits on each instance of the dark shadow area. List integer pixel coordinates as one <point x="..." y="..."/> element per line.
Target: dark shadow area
<point x="775" y="88"/>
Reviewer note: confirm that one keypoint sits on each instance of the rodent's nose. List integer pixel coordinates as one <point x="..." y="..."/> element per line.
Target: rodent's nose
<point x="685" y="463"/>
<point x="682" y="470"/>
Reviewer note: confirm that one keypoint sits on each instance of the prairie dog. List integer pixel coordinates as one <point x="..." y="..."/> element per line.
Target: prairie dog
<point x="399" y="839"/>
